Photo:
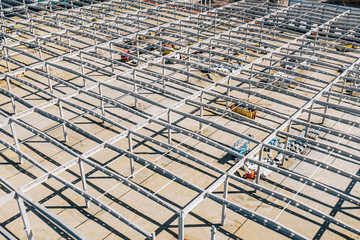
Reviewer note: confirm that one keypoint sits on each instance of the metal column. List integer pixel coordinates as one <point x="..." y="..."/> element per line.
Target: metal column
<point x="223" y="214"/>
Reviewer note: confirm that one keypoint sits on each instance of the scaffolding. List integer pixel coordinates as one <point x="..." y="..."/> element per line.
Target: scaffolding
<point x="102" y="133"/>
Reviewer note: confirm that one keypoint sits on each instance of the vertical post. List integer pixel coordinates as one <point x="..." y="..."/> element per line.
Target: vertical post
<point x="135" y="87"/>
<point x="309" y="118"/>
<point x="82" y="69"/>
<point x="228" y="93"/>
<point x="259" y="167"/>
<point x="214" y="20"/>
<point x="62" y="116"/>
<point x="131" y="159"/>
<point x="9" y="88"/>
<point x="7" y="55"/>
<point x="342" y="90"/>
<point x="163" y="67"/>
<point x="40" y="52"/>
<point x="137" y="52"/>
<point x="69" y="42"/>
<point x="83" y="181"/>
<point x="16" y="140"/>
<point x="223" y="214"/>
<point x="101" y="101"/>
<point x="249" y="91"/>
<point x="95" y="40"/>
<point x="188" y="66"/>
<point x="24" y="217"/>
<point x="201" y="110"/>
<point x="286" y="143"/>
<point x="112" y="58"/>
<point x="49" y="79"/>
<point x="181" y="233"/>
<point x="169" y="130"/>
<point x="164" y="83"/>
<point x="326" y="107"/>
<point x="213" y="232"/>
<point x="251" y="76"/>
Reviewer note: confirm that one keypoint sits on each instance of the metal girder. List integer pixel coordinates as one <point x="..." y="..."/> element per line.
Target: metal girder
<point x="339" y="108"/>
<point x="230" y="113"/>
<point x="177" y="150"/>
<point x="169" y="79"/>
<point x="289" y="71"/>
<point x="156" y="168"/>
<point x="326" y="130"/>
<point x="308" y="181"/>
<point x="144" y="65"/>
<point x="349" y="88"/>
<point x="6" y="199"/>
<point x="183" y="101"/>
<point x="344" y="96"/>
<point x="115" y="175"/>
<point x="104" y="206"/>
<point x="92" y="47"/>
<point x="131" y="184"/>
<point x="324" y="146"/>
<point x="199" y="137"/>
<point x="6" y="234"/>
<point x="267" y="222"/>
<point x="259" y="95"/>
<point x="315" y="162"/>
<point x="271" y="86"/>
<point x="134" y="94"/>
<point x="235" y="167"/>
<point x="215" y="125"/>
<point x="334" y="118"/>
<point x="53" y="217"/>
<point x="76" y="189"/>
<point x="296" y="203"/>
<point x="48" y="175"/>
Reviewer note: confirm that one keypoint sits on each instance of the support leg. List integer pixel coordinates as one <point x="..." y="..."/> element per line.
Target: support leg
<point x="259" y="167"/>
<point x="326" y="107"/>
<point x="9" y="88"/>
<point x="181" y="232"/>
<point x="101" y="101"/>
<point x="309" y="118"/>
<point x="223" y="214"/>
<point x="201" y="110"/>
<point x="82" y="69"/>
<point x="16" y="140"/>
<point x="49" y="79"/>
<point x="63" y="125"/>
<point x="228" y="94"/>
<point x="213" y="232"/>
<point x="24" y="218"/>
<point x="286" y="142"/>
<point x="135" y="88"/>
<point x="131" y="159"/>
<point x="169" y="130"/>
<point x="83" y="181"/>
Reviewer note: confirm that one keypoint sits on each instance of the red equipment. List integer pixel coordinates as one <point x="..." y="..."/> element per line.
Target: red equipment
<point x="125" y="58"/>
<point x="249" y="174"/>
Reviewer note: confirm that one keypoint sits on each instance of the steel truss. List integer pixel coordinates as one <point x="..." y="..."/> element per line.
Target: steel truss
<point x="106" y="61"/>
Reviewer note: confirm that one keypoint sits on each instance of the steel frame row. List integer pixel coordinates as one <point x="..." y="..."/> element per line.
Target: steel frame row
<point x="62" y="52"/>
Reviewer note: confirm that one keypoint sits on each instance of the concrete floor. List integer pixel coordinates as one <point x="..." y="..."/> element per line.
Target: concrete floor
<point x="95" y="223"/>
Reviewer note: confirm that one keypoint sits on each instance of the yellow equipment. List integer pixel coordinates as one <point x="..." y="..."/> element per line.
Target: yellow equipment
<point x="169" y="45"/>
<point x="245" y="111"/>
<point x="345" y="47"/>
<point x="142" y="37"/>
